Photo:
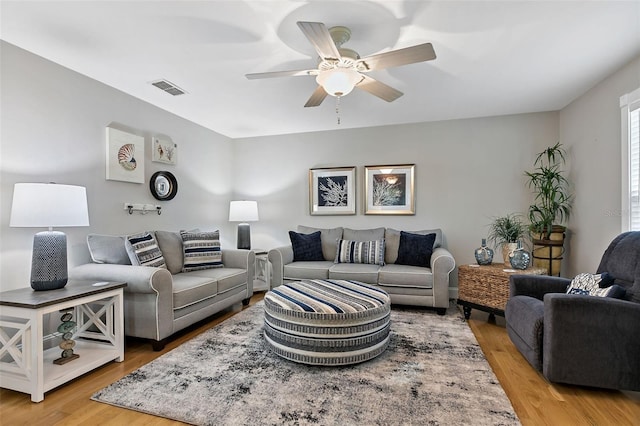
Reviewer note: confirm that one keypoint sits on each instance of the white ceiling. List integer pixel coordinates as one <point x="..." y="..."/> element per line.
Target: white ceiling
<point x="493" y="58"/>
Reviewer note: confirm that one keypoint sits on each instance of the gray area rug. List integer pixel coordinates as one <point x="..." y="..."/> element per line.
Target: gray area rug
<point x="433" y="373"/>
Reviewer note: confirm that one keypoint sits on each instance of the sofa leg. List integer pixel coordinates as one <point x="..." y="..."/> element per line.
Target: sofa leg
<point x="441" y="311"/>
<point x="158" y="345"/>
<point x="245" y="302"/>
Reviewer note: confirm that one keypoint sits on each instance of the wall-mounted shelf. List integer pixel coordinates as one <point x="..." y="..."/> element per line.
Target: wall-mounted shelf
<point x="142" y="208"/>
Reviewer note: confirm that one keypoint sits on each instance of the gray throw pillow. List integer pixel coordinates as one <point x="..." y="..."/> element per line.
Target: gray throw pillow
<point x="108" y="249"/>
<point x="171" y="246"/>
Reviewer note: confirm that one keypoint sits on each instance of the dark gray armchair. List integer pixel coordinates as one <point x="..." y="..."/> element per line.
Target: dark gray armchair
<point x="578" y="339"/>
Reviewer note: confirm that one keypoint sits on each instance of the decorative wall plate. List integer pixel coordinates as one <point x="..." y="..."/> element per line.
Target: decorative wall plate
<point x="163" y="185"/>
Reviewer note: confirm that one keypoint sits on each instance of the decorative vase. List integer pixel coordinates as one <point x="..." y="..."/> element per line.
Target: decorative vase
<point x="507" y="249"/>
<point x="484" y="255"/>
<point x="520" y="258"/>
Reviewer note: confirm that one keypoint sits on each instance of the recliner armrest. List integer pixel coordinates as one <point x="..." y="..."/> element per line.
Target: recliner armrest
<point x="536" y="285"/>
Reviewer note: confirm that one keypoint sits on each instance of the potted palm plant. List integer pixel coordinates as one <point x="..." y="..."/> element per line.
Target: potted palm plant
<point x="505" y="231"/>
<point x="552" y="206"/>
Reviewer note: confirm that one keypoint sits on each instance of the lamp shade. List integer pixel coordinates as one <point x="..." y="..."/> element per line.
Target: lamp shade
<point x="37" y="205"/>
<point x="243" y="211"/>
<point x="45" y="205"/>
<point x="338" y="81"/>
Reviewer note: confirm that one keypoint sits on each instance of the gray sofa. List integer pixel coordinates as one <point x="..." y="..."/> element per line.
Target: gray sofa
<point x="406" y="285"/>
<point x="159" y="302"/>
<point x="581" y="339"/>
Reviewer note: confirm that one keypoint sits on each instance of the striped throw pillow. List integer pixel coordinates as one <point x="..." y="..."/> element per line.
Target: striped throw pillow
<point x="371" y="252"/>
<point x="143" y="250"/>
<point x="201" y="250"/>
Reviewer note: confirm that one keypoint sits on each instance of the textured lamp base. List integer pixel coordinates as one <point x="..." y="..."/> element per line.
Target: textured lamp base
<point x="244" y="236"/>
<point x="49" y="261"/>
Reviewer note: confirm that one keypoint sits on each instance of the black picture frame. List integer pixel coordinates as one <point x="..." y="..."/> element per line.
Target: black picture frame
<point x="163" y="185"/>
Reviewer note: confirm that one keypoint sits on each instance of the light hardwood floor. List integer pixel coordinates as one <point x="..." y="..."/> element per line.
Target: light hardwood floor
<point x="536" y="401"/>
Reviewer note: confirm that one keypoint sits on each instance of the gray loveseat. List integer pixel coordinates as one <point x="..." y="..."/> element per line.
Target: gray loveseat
<point x="159" y="302"/>
<point x="406" y="284"/>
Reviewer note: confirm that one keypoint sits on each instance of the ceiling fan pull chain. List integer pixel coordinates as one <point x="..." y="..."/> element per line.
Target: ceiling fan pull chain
<point x="338" y="108"/>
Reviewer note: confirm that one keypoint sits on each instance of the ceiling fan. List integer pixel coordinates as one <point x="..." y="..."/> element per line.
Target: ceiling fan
<point x="340" y="69"/>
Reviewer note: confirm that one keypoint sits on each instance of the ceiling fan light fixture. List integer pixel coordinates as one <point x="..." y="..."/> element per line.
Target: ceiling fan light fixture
<point x="338" y="81"/>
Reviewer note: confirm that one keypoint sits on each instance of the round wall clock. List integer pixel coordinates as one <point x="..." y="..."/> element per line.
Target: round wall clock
<point x="163" y="186"/>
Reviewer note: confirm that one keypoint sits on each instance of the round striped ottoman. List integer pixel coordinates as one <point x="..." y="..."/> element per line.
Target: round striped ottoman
<point x="327" y="322"/>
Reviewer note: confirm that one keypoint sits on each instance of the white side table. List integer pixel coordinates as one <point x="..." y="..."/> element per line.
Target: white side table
<point x="99" y="334"/>
<point x="262" y="280"/>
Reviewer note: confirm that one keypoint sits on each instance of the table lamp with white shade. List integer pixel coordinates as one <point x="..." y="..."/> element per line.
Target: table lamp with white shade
<point x="45" y="205"/>
<point x="243" y="211"/>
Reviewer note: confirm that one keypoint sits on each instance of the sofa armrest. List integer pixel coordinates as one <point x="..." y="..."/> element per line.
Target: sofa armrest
<point x="591" y="341"/>
<point x="536" y="285"/>
<point x="442" y="263"/>
<point x="148" y="296"/>
<point x="279" y="257"/>
<point x="139" y="279"/>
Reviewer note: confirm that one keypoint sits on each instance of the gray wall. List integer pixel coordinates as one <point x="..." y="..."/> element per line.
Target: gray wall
<point x="467" y="171"/>
<point x="53" y="130"/>
<point x="591" y="128"/>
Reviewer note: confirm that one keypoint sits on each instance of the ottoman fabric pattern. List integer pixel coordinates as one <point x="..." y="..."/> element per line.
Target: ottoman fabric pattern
<point x="327" y="322"/>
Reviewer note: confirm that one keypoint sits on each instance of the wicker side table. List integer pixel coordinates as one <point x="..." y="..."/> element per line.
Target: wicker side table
<point x="487" y="287"/>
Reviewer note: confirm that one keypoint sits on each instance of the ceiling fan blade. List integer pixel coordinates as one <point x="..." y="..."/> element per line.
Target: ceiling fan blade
<point x="319" y="36"/>
<point x="395" y="58"/>
<point x="317" y="97"/>
<point x="379" y="89"/>
<point x="295" y="73"/>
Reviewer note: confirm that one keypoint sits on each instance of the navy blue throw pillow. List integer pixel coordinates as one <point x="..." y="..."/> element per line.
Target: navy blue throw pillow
<point x="616" y="291"/>
<point x="306" y="246"/>
<point x="415" y="249"/>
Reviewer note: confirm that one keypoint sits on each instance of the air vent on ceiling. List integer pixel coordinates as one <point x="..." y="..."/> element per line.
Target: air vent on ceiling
<point x="168" y="87"/>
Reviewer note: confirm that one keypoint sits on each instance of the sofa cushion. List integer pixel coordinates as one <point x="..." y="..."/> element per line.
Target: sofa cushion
<point x="592" y="285"/>
<point x="170" y="244"/>
<point x="328" y="238"/>
<point x="363" y="234"/>
<point x="143" y="250"/>
<point x="190" y="288"/>
<point x="405" y="276"/>
<point x="227" y="278"/>
<point x="310" y="270"/>
<point x="306" y="247"/>
<point x="365" y="273"/>
<point x="371" y="252"/>
<point x="108" y="249"/>
<point x="201" y="250"/>
<point x="415" y="249"/>
<point x="392" y="242"/>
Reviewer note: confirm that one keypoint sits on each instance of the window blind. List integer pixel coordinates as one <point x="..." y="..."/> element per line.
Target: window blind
<point x="630" y="111"/>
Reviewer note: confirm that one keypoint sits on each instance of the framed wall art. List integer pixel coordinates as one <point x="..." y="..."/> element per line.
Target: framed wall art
<point x="163" y="150"/>
<point x="332" y="191"/>
<point x="390" y="189"/>
<point x="125" y="156"/>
